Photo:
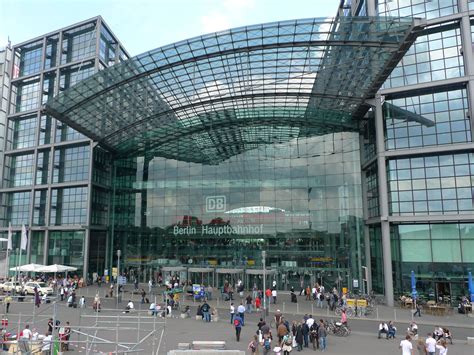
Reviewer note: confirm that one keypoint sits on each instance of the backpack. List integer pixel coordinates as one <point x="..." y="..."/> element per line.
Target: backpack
<point x="236" y="322"/>
<point x="266" y="344"/>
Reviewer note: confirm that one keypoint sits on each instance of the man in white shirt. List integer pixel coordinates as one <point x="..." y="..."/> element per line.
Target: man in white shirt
<point x="47" y="340"/>
<point x="431" y="345"/>
<point x="241" y="312"/>
<point x="26" y="338"/>
<point x="383" y="329"/>
<point x="406" y="346"/>
<point x="129" y="306"/>
<point x="310" y="321"/>
<point x="232" y="313"/>
<point x="274" y="295"/>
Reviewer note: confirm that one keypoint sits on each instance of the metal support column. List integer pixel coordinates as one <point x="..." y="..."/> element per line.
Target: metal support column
<point x="371" y="8"/>
<point x="468" y="57"/>
<point x="383" y="201"/>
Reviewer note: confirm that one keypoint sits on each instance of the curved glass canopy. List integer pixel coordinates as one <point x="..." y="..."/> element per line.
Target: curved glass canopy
<point x="211" y="97"/>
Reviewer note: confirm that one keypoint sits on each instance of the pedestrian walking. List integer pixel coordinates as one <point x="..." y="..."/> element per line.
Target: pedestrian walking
<point x="46" y="344"/>
<point x="299" y="336"/>
<point x="232" y="313"/>
<point x="253" y="345"/>
<point x="313" y="335"/>
<point x="322" y="334"/>
<point x="430" y="344"/>
<point x="287" y="344"/>
<point x="82" y="302"/>
<point x="268" y="294"/>
<point x="406" y="346"/>
<point x="420" y="346"/>
<point x="237" y="326"/>
<point x="267" y="344"/>
<point x="417" y="310"/>
<point x="274" y="295"/>
<point x="7" y="300"/>
<point x="305" y="331"/>
<point x="248" y="302"/>
<point x="25" y="338"/>
<point x="442" y="346"/>
<point x="205" y="308"/>
<point x="241" y="312"/>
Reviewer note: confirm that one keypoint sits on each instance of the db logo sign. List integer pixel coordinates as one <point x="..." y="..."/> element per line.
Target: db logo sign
<point x="215" y="204"/>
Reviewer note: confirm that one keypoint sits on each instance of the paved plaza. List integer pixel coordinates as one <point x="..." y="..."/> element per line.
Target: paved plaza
<point x="156" y="335"/>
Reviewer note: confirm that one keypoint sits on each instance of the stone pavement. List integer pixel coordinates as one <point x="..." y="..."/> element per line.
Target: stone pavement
<point x="172" y="331"/>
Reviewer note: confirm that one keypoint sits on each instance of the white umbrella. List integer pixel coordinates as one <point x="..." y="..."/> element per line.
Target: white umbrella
<point x="57" y="268"/>
<point x="27" y="268"/>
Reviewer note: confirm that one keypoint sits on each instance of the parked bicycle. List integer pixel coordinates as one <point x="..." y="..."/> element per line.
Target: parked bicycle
<point x="338" y="329"/>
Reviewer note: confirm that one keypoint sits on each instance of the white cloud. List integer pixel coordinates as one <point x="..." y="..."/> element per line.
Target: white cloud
<point x="226" y="15"/>
<point x="214" y="22"/>
<point x="238" y="5"/>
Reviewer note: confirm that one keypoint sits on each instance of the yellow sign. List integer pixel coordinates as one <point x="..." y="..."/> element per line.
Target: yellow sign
<point x="114" y="272"/>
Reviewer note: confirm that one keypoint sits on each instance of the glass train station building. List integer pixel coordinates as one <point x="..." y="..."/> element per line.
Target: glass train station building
<point x="341" y="147"/>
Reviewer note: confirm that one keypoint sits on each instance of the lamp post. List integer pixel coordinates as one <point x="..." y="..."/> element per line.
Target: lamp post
<point x="364" y="280"/>
<point x="264" y="255"/>
<point x="119" y="252"/>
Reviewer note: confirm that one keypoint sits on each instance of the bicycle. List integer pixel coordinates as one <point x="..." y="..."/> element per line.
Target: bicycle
<point x="338" y="329"/>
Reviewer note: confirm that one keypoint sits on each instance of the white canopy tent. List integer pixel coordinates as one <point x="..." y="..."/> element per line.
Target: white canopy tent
<point x="27" y="268"/>
<point x="56" y="268"/>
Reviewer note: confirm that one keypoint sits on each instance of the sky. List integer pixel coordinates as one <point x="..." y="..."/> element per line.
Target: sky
<point x="142" y="25"/>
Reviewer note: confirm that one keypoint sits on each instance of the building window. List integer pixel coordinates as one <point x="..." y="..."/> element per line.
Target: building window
<point x="45" y="134"/>
<point x="21" y="170"/>
<point x="417" y="8"/>
<point x="50" y="60"/>
<point x="29" y="58"/>
<point x="24" y="131"/>
<point x="18" y="207"/>
<point x="69" y="206"/>
<point x="39" y="208"/>
<point x="447" y="113"/>
<point x="71" y="164"/>
<point x="431" y="185"/>
<point x="436" y="55"/>
<point x="66" y="248"/>
<point x="27" y="95"/>
<point x="79" y="43"/>
<point x="42" y="167"/>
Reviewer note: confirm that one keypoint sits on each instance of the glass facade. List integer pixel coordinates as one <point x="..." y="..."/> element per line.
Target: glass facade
<point x="432" y="185"/>
<point x="430" y="188"/>
<point x="440" y="254"/>
<point x="299" y="201"/>
<point x="45" y="164"/>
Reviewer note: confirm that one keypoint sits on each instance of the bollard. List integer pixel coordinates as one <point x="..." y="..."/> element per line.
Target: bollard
<point x="312" y="309"/>
<point x="283" y="307"/>
<point x="297" y="308"/>
<point x="377" y="309"/>
<point x="394" y="314"/>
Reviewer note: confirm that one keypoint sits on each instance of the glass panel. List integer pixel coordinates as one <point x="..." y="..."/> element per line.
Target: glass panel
<point x="69" y="206"/>
<point x="416" y="250"/>
<point x="66" y="248"/>
<point x="446" y="251"/>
